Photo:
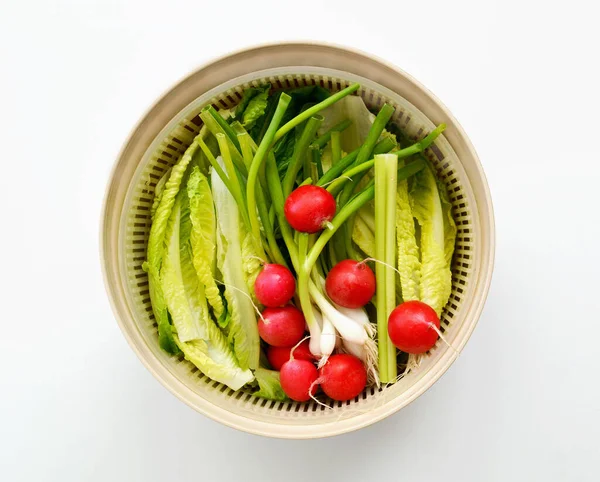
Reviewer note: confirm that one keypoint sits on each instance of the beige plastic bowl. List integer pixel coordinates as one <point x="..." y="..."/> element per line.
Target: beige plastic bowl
<point x="163" y="135"/>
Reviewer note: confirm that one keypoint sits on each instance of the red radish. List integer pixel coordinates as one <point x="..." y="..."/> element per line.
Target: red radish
<point x="275" y="285"/>
<point x="309" y="208"/>
<point x="278" y="356"/>
<point x="350" y="284"/>
<point x="343" y="377"/>
<point x="297" y="377"/>
<point x="282" y="327"/>
<point x="412" y="327"/>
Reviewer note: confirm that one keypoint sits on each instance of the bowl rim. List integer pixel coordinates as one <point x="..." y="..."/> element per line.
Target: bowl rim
<point x="109" y="224"/>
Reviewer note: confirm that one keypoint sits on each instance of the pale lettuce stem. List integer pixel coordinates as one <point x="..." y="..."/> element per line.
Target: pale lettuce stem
<point x="299" y="155"/>
<point x="336" y="148"/>
<point x="259" y="157"/>
<point x="273" y="247"/>
<point x="380" y="294"/>
<point x="300" y="118"/>
<point x="391" y="164"/>
<point x="235" y="184"/>
<point x="322" y="140"/>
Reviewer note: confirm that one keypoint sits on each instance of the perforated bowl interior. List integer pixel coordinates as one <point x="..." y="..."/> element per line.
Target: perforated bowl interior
<point x="160" y="140"/>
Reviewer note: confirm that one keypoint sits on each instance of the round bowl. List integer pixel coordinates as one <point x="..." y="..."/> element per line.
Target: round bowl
<point x="161" y="137"/>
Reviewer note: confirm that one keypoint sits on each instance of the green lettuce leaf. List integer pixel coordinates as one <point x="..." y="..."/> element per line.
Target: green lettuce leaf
<point x="242" y="329"/>
<point x="353" y="108"/>
<point x="203" y="237"/>
<point x="181" y="288"/>
<point x="449" y="224"/>
<point x="156" y="244"/>
<point x="251" y="261"/>
<point x="409" y="263"/>
<point x="436" y="278"/>
<point x="269" y="385"/>
<point x="214" y="358"/>
<point x="158" y="191"/>
<point x="253" y="105"/>
<point x="363" y="237"/>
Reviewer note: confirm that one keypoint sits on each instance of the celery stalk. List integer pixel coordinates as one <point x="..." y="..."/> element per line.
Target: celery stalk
<point x="391" y="164"/>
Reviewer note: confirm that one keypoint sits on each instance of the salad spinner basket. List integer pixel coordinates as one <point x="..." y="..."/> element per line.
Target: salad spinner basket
<point x="162" y="136"/>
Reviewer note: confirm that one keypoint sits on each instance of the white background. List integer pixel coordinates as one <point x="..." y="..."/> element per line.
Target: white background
<point x="523" y="400"/>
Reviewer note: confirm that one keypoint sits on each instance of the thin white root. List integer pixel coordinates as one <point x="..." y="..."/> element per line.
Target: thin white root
<point x="246" y="295"/>
<point x="340" y="177"/>
<point x="324" y="359"/>
<point x="262" y="261"/>
<point x="297" y="345"/>
<point x="380" y="262"/>
<point x="315" y="399"/>
<point x="371" y="363"/>
<point x="443" y="338"/>
<point x="414" y="361"/>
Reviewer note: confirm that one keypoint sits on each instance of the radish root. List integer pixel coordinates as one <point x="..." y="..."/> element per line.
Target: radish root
<point x="443" y="338"/>
<point x="296" y="346"/>
<point x="247" y="296"/>
<point x="315" y="399"/>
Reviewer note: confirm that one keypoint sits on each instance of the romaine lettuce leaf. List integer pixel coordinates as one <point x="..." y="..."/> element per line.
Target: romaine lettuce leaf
<point x="269" y="385"/>
<point x="436" y="278"/>
<point x="409" y="263"/>
<point x="251" y="261"/>
<point x="203" y="237"/>
<point x="449" y="224"/>
<point x="351" y="107"/>
<point x="214" y="358"/>
<point x="363" y="237"/>
<point x="155" y="251"/>
<point x="158" y="191"/>
<point x="242" y="329"/>
<point x="252" y="106"/>
<point x="180" y="284"/>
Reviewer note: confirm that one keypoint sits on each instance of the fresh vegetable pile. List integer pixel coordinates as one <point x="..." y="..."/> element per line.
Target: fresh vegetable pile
<point x="298" y="212"/>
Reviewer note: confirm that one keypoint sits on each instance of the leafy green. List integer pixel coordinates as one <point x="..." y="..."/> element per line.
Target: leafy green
<point x="436" y="277"/>
<point x="250" y="94"/>
<point x="409" y="263"/>
<point x="203" y="237"/>
<point x="449" y="224"/>
<point x="242" y="328"/>
<point x="363" y="237"/>
<point x="156" y="248"/>
<point x="250" y="261"/>
<point x="158" y="191"/>
<point x="214" y="358"/>
<point x="269" y="385"/>
<point x="354" y="109"/>
<point x="252" y="106"/>
<point x="183" y="293"/>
